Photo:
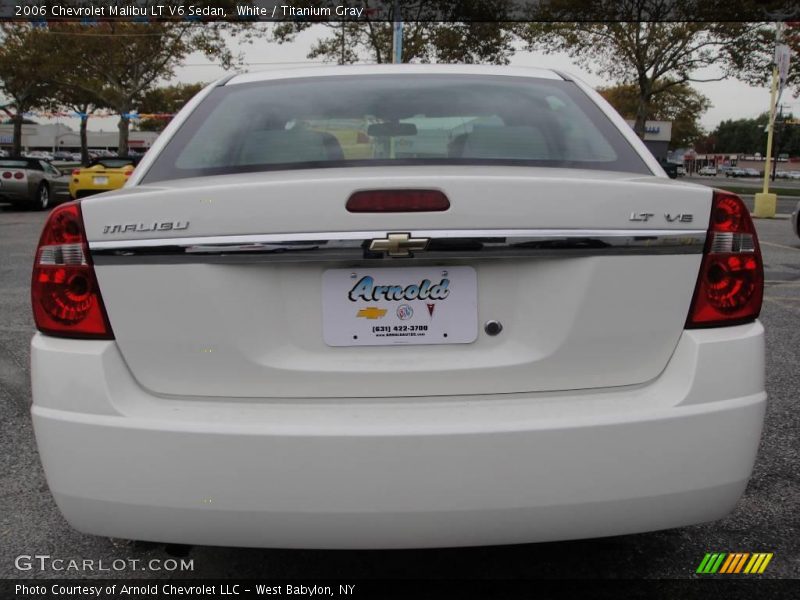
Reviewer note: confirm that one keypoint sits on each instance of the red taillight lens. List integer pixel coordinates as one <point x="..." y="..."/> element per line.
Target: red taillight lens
<point x="64" y="292"/>
<point x="371" y="201"/>
<point x="19" y="175"/>
<point x="730" y="285"/>
<point x="76" y="171"/>
<point x="6" y="174"/>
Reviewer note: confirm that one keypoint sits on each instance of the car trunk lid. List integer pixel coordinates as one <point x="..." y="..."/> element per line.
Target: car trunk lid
<point x="235" y="286"/>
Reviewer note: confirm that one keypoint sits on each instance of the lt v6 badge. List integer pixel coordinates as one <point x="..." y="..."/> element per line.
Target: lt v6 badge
<point x="671" y="218"/>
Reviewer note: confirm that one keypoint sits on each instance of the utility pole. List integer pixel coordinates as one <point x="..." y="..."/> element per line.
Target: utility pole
<point x="397" y="53"/>
<point x="778" y="136"/>
<point x="397" y="34"/>
<point x="765" y="202"/>
<point x="341" y="59"/>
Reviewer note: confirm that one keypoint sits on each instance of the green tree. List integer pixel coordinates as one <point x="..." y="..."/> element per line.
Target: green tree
<point x="740" y="135"/>
<point x="119" y="62"/>
<point x="748" y="136"/>
<point x="167" y="99"/>
<point x="85" y="106"/>
<point x="654" y="56"/>
<point x="755" y="66"/>
<point x="76" y="98"/>
<point x="681" y="104"/>
<point x="24" y="68"/>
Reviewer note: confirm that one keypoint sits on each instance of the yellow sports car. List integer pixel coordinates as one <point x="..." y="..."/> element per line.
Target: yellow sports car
<point x="102" y="175"/>
<point x="351" y="134"/>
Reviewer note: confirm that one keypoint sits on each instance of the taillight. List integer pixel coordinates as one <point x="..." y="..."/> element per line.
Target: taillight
<point x="397" y="201"/>
<point x="76" y="171"/>
<point x="128" y="173"/>
<point x="6" y="174"/>
<point x="64" y="292"/>
<point x="19" y="175"/>
<point x="730" y="285"/>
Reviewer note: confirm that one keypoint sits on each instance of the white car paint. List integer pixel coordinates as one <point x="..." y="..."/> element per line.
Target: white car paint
<point x="218" y="415"/>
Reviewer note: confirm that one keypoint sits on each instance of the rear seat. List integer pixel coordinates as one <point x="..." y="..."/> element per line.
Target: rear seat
<point x="523" y="143"/>
<point x="276" y="146"/>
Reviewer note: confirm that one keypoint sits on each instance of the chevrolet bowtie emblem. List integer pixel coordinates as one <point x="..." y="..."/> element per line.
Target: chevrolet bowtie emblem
<point x="398" y="245"/>
<point x="372" y="312"/>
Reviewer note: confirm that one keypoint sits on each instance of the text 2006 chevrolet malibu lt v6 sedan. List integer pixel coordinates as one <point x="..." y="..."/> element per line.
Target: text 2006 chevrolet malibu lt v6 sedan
<point x="380" y="307"/>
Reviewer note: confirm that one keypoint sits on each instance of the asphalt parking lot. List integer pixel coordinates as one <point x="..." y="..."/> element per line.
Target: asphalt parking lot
<point x="742" y="185"/>
<point x="766" y="519"/>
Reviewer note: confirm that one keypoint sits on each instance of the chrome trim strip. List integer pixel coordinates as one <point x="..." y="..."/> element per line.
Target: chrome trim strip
<point x="443" y="244"/>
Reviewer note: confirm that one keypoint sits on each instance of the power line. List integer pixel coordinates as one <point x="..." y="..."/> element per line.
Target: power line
<point x="69" y="33"/>
<point x="294" y="62"/>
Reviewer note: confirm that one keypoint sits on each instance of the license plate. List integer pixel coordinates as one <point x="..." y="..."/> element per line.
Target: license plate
<point x="101" y="180"/>
<point x="404" y="305"/>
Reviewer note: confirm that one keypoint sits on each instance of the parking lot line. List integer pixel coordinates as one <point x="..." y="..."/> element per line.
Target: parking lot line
<point x="779" y="245"/>
<point x="783" y="304"/>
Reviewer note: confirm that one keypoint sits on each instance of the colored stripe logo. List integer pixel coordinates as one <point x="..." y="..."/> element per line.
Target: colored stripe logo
<point x="734" y="562"/>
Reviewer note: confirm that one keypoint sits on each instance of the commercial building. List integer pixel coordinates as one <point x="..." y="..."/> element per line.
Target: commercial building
<point x="657" y="136"/>
<point x="57" y="136"/>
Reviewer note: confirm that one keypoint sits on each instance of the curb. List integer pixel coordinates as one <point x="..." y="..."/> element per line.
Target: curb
<point x="777" y="217"/>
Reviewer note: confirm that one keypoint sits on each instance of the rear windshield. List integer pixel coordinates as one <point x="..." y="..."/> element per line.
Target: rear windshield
<point x="394" y="120"/>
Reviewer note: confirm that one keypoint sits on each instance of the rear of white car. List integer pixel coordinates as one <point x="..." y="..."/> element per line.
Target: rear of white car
<point x="397" y="307"/>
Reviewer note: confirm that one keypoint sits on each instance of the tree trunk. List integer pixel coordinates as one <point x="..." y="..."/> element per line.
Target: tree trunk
<point x="124" y="125"/>
<point x="643" y="107"/>
<point x="16" y="148"/>
<point x="84" y="140"/>
<point x="642" y="110"/>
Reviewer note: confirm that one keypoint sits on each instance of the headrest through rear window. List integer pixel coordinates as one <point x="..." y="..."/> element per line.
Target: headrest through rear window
<point x="522" y="143"/>
<point x="277" y="146"/>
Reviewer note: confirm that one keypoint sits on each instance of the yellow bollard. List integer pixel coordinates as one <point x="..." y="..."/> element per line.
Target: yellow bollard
<point x="766" y="205"/>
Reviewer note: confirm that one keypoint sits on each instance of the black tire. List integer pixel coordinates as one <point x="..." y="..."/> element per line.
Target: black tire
<point x="42" y="200"/>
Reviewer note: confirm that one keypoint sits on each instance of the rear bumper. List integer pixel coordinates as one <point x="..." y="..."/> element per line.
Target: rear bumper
<point x="390" y="473"/>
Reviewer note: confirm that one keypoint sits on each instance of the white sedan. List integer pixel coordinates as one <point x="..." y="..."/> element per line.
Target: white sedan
<point x="397" y="306"/>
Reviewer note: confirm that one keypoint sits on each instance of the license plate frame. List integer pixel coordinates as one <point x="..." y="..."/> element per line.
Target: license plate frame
<point x="365" y="306"/>
<point x="100" y="180"/>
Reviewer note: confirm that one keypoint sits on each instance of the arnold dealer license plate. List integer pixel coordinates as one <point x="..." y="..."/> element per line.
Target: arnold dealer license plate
<point x="403" y="305"/>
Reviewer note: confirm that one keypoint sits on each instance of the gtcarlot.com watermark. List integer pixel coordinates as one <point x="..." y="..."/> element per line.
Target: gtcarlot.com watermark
<point x="45" y="562"/>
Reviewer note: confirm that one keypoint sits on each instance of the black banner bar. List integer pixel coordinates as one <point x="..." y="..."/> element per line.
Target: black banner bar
<point x="87" y="11"/>
<point x="206" y="589"/>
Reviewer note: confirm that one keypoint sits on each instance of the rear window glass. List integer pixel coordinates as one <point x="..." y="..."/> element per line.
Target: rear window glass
<point x="394" y="120"/>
